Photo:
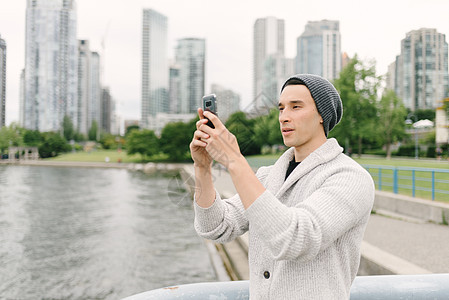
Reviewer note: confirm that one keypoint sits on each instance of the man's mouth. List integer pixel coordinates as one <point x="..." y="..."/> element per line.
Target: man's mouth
<point x="287" y="131"/>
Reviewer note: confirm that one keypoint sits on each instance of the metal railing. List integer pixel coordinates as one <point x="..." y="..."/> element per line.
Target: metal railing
<point x="417" y="182"/>
<point x="387" y="287"/>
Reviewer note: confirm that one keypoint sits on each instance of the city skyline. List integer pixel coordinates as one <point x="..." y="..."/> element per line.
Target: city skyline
<point x="371" y="32"/>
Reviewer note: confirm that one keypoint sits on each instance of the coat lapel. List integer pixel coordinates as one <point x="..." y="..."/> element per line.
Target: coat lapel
<point x="323" y="154"/>
<point x="275" y="179"/>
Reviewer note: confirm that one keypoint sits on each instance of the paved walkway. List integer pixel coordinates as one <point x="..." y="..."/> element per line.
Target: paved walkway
<point x="425" y="245"/>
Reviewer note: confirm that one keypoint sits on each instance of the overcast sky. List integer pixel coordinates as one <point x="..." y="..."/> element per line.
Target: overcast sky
<point x="372" y="29"/>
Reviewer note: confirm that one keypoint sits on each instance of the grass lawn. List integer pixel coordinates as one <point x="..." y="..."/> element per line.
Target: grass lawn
<point x="423" y="180"/>
<point x="404" y="162"/>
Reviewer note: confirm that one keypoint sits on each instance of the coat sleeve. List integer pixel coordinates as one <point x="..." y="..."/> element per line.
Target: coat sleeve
<point x="225" y="219"/>
<point x="301" y="232"/>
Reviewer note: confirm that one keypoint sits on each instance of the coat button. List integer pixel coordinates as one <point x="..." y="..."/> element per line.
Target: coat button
<point x="266" y="274"/>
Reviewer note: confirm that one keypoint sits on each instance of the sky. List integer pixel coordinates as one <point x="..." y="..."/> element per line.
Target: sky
<point x="371" y="29"/>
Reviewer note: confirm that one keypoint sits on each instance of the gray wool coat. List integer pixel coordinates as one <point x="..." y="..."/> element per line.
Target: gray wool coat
<point x="305" y="231"/>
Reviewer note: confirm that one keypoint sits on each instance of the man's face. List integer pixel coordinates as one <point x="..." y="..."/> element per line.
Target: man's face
<point x="299" y="119"/>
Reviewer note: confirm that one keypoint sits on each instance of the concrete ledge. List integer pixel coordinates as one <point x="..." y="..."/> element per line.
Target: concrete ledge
<point x="375" y="261"/>
<point x="426" y="210"/>
<point x="217" y="263"/>
<point x="82" y="164"/>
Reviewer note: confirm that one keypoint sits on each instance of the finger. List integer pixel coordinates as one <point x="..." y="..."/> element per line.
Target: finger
<point x="213" y="118"/>
<point x="200" y="122"/>
<point x="200" y="113"/>
<point x="207" y="129"/>
<point x="198" y="143"/>
<point x="200" y="135"/>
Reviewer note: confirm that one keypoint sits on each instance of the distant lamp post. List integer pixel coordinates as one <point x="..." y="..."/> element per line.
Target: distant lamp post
<point x="410" y="122"/>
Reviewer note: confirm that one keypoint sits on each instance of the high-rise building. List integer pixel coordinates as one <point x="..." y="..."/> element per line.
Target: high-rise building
<point x="22" y="98"/>
<point x="2" y="81"/>
<point x="50" y="64"/>
<point x="106" y="110"/>
<point x="89" y="88"/>
<point x="269" y="42"/>
<point x="277" y="69"/>
<point x="95" y="94"/>
<point x="420" y="74"/>
<point x="319" y="49"/>
<point x="191" y="56"/>
<point x="390" y="80"/>
<point x="228" y="101"/>
<point x="174" y="90"/>
<point x="116" y="120"/>
<point x="155" y="77"/>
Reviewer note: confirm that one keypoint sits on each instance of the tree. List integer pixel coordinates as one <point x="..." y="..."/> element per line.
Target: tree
<point x="267" y="129"/>
<point x="357" y="85"/>
<point x="32" y="138"/>
<point x="79" y="137"/>
<point x="143" y="142"/>
<point x="92" y="134"/>
<point x="175" y="140"/>
<point x="68" y="129"/>
<point x="53" y="145"/>
<point x="10" y="136"/>
<point x="392" y="114"/>
<point x="243" y="129"/>
<point x="423" y="114"/>
<point x="109" y="141"/>
<point x="131" y="128"/>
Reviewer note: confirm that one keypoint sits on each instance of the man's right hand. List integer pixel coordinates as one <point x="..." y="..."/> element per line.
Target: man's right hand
<point x="198" y="146"/>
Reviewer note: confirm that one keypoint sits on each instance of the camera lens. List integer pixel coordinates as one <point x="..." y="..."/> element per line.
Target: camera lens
<point x="208" y="103"/>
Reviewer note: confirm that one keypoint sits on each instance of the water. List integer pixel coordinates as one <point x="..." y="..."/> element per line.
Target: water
<point x="79" y="233"/>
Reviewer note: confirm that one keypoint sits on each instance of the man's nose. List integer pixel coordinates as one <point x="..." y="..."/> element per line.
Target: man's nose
<point x="284" y="116"/>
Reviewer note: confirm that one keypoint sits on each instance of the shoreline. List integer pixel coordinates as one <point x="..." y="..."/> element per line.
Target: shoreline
<point x="148" y="168"/>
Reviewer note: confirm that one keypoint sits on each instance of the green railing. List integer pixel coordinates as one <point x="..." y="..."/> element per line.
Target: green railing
<point x="416" y="182"/>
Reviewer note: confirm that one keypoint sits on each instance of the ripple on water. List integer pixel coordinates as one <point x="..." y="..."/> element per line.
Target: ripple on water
<point x="80" y="233"/>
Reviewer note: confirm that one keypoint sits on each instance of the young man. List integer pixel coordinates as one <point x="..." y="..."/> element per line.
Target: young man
<point x="306" y="214"/>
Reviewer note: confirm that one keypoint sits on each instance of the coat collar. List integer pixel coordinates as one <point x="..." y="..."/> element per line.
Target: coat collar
<point x="326" y="152"/>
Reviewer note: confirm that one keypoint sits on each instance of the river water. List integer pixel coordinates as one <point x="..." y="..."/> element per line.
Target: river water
<point x="80" y="233"/>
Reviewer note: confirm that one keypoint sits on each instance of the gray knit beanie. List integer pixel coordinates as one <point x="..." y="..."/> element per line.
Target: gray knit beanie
<point x="326" y="98"/>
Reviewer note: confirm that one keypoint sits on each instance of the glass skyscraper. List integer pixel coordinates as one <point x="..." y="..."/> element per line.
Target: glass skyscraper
<point x="420" y="76"/>
<point x="155" y="69"/>
<point x="319" y="50"/>
<point x="174" y="88"/>
<point x="269" y="44"/>
<point x="89" y="88"/>
<point x="276" y="70"/>
<point x="51" y="65"/>
<point x="228" y="101"/>
<point x="190" y="57"/>
<point x="2" y="81"/>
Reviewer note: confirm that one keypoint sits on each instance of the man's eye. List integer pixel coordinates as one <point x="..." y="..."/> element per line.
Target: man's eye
<point x="281" y="108"/>
<point x="296" y="106"/>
